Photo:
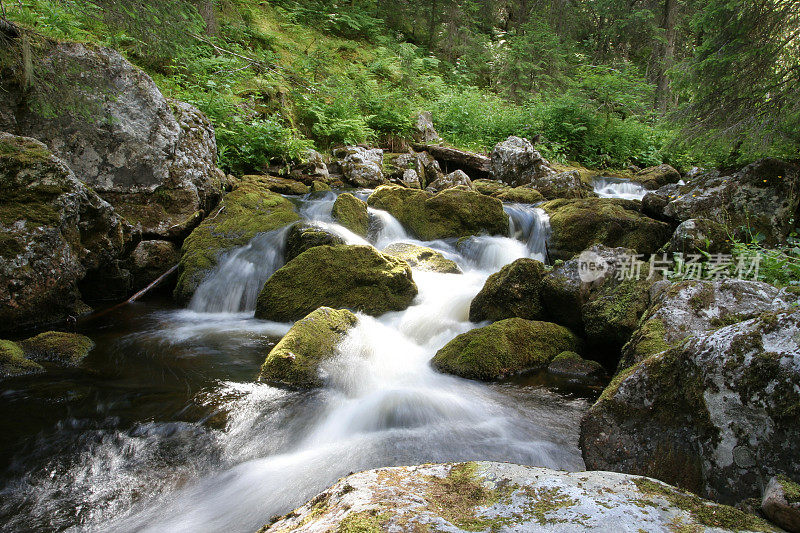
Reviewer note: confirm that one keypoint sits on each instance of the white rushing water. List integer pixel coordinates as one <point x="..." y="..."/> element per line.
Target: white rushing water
<point x="382" y="403"/>
<point x="618" y="188"/>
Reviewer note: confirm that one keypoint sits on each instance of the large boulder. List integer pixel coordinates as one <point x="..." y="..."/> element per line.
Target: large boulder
<point x="504" y="348"/>
<point x="424" y="131"/>
<point x="700" y="236"/>
<point x="658" y="176"/>
<point x="351" y="213"/>
<point x="516" y="162"/>
<point x="524" y="194"/>
<point x="362" y="167"/>
<point x="679" y="310"/>
<point x="354" y="277"/>
<point x="514" y="291"/>
<point x="304" y="235"/>
<point x="422" y="258"/>
<point x="295" y="360"/>
<point x="485" y="496"/>
<point x="312" y="168"/>
<point x="578" y="224"/>
<point x="454" y="179"/>
<point x="719" y="414"/>
<point x="245" y="212"/>
<point x="451" y="213"/>
<point x="415" y="169"/>
<point x="562" y="185"/>
<point x="54" y="233"/>
<point x="763" y="197"/>
<point x="112" y="126"/>
<point x="151" y="259"/>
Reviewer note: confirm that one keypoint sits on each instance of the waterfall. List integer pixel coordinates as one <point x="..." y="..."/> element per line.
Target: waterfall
<point x="530" y="225"/>
<point x="618" y="188"/>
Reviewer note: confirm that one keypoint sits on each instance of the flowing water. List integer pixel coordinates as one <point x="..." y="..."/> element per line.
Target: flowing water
<point x="618" y="188"/>
<point x="166" y="428"/>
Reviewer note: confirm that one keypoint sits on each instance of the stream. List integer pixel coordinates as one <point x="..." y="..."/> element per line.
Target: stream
<point x="165" y="428"/>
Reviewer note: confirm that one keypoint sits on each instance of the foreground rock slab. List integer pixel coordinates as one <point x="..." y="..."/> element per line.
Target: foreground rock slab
<point x="485" y="496"/>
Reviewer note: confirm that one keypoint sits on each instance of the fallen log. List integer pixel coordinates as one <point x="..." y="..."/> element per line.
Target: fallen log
<point x="477" y="163"/>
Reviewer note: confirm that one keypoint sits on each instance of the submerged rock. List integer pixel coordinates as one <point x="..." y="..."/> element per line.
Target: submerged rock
<point x="303" y="236"/>
<point x="516" y="162"/>
<point x="578" y="224"/>
<point x="658" y="176"/>
<point x="422" y="258"/>
<point x="451" y="213"/>
<point x="295" y="360"/>
<point x="505" y="348"/>
<point x="54" y="233"/>
<point x="454" y="179"/>
<point x="351" y="213"/>
<point x="781" y="503"/>
<point x="244" y="212"/>
<point x="354" y="277"/>
<point x="514" y="291"/>
<point x="718" y="414"/>
<point x="485" y="496"/>
<point x="13" y="361"/>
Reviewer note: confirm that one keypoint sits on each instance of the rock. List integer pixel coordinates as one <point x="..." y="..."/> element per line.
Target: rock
<point x="279" y="185"/>
<point x="151" y="259"/>
<point x="413" y="170"/>
<point x="486" y="496"/>
<point x="353" y="277"/>
<point x="476" y="165"/>
<point x="411" y="179"/>
<point x="454" y="179"/>
<point x="450" y="213"/>
<point x="578" y="224"/>
<point x="320" y="186"/>
<point x="572" y="365"/>
<point x="516" y="162"/>
<point x="514" y="291"/>
<point x="781" y="503"/>
<point x="303" y="236"/>
<point x="504" y="348"/>
<point x="57" y="347"/>
<point x="521" y="195"/>
<point x="655" y="177"/>
<point x="351" y="213"/>
<point x="718" y="414"/>
<point x="312" y="168"/>
<point x="294" y="361"/>
<point x="680" y="310"/>
<point x="362" y="167"/>
<point x="54" y="233"/>
<point x="490" y="187"/>
<point x="424" y="130"/>
<point x="13" y="361"/>
<point x="422" y="258"/>
<point x="761" y="198"/>
<point x="700" y="235"/>
<point x="112" y="126"/>
<point x="562" y="185"/>
<point x="243" y="213"/>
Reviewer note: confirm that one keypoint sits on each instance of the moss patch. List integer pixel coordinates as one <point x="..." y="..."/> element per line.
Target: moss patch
<point x="513" y="291"/>
<point x="13" y="361"/>
<point x="351" y="213"/>
<point x="57" y="346"/>
<point x="791" y="490"/>
<point x="363" y="522"/>
<point x="457" y="497"/>
<point x="648" y="340"/>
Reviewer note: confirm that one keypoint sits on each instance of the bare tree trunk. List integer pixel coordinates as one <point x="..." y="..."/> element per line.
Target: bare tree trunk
<point x="668" y="59"/>
<point x="206" y="10"/>
<point x="432" y="25"/>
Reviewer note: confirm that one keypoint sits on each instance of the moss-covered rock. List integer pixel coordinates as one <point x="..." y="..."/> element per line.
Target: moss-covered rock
<point x="244" y="212"/>
<point x="504" y="348"/>
<point x="781" y="502"/>
<point x="490" y="187"/>
<point x="422" y="258"/>
<point x="717" y="414"/>
<point x="353" y="277"/>
<point x="58" y="347"/>
<point x="578" y="224"/>
<point x="698" y="236"/>
<point x="294" y="361"/>
<point x="351" y="213"/>
<point x="278" y="184"/>
<point x="521" y="195"/>
<point x="303" y="236"/>
<point x="655" y="177"/>
<point x="320" y="186"/>
<point x="514" y="291"/>
<point x="572" y="365"/>
<point x="451" y="213"/>
<point x="13" y="361"/>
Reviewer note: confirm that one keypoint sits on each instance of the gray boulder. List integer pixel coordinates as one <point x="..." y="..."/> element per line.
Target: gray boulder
<point x="424" y="130"/>
<point x="699" y="235"/>
<point x="553" y="185"/>
<point x="311" y="168"/>
<point x="515" y="162"/>
<point x="151" y="259"/>
<point x="454" y="179"/>
<point x="362" y="167"/>
<point x="658" y="176"/>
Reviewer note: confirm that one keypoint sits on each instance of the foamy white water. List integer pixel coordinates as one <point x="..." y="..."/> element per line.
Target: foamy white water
<point x="618" y="188"/>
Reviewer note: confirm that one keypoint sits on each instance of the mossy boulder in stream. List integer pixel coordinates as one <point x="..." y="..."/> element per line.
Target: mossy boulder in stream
<point x="514" y="291"/>
<point x="294" y="361"/>
<point x="455" y="212"/>
<point x="58" y="347"/>
<point x="521" y="195"/>
<point x="351" y="213"/>
<point x="244" y="212"/>
<point x="578" y="224"/>
<point x="572" y="365"/>
<point x="13" y="361"/>
<point x="422" y="258"/>
<point x="303" y="236"/>
<point x="655" y="177"/>
<point x="342" y="276"/>
<point x="505" y="348"/>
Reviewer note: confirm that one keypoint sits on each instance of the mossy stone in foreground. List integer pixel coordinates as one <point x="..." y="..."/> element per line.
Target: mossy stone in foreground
<point x="342" y="276"/>
<point x="422" y="258"/>
<point x="514" y="291"/>
<point x="504" y="348"/>
<point x="351" y="213"/>
<point x="57" y="346"/>
<point x="294" y="361"/>
<point x="244" y="212"/>
<point x="13" y="361"/>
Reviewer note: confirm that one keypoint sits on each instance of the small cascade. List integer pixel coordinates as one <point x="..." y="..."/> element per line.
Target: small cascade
<point x="618" y="188"/>
<point x="385" y="229"/>
<point x="234" y="284"/>
<point x="530" y="225"/>
<point x="318" y="207"/>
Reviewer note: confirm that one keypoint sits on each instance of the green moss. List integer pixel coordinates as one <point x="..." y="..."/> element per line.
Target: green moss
<point x="766" y="373"/>
<point x="572" y="364"/>
<point x="504" y="348"/>
<point x="320" y="186"/>
<point x="57" y="346"/>
<point x="703" y="298"/>
<point x="341" y="276"/>
<point x="13" y="361"/>
<point x="513" y="291"/>
<point x="457" y="497"/>
<point x="704" y="512"/>
<point x="522" y="195"/>
<point x="295" y="359"/>
<point x="351" y="213"/>
<point x="648" y="340"/>
<point x="611" y="317"/>
<point x="22" y="151"/>
<point x="422" y="258"/>
<point x="303" y="236"/>
<point x="362" y="522"/>
<point x="490" y="187"/>
<point x="278" y="185"/>
<point x="546" y="500"/>
<point x="10" y="246"/>
<point x="791" y="490"/>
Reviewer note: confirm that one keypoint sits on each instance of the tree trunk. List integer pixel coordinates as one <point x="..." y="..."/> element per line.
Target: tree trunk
<point x="206" y="10"/>
<point x="668" y="59"/>
<point x="432" y="25"/>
